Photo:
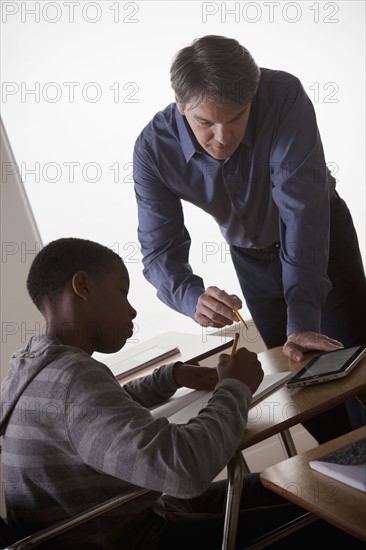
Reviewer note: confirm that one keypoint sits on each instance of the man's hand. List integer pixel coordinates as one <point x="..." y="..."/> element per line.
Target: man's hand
<point x="244" y="366"/>
<point x="215" y="308"/>
<point x="300" y="342"/>
<point x="196" y="377"/>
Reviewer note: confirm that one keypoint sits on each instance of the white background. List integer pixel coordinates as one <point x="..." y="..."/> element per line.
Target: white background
<point x="105" y="47"/>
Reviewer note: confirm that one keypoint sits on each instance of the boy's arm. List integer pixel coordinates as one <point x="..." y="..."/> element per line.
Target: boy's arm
<point x="124" y="440"/>
<point x="153" y="388"/>
<point x="164" y="381"/>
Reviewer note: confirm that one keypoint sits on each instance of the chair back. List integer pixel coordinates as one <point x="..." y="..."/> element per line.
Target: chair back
<point x="9" y="539"/>
<point x="6" y="534"/>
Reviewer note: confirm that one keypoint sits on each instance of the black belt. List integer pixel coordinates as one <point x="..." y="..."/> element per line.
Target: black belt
<point x="271" y="248"/>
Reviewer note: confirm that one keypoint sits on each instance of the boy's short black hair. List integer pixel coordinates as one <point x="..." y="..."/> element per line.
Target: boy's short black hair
<point x="58" y="261"/>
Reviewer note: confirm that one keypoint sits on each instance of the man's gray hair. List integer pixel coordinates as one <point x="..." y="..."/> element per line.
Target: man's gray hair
<point x="217" y="69"/>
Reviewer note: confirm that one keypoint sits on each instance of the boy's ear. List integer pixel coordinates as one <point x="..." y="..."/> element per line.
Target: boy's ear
<point x="81" y="284"/>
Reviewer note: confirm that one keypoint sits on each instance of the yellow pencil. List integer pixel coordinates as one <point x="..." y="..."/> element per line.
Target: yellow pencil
<point x="240" y="318"/>
<point x="235" y="344"/>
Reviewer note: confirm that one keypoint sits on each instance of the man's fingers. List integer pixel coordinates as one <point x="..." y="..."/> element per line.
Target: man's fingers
<point x="206" y="321"/>
<point x="314" y="341"/>
<point x="215" y="308"/>
<point x="293" y="352"/>
<point x="299" y="342"/>
<point x="229" y="300"/>
<point x="331" y="341"/>
<point x="212" y="317"/>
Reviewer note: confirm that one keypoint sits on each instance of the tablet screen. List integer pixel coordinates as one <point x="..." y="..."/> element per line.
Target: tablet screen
<point x="328" y="362"/>
<point x="327" y="366"/>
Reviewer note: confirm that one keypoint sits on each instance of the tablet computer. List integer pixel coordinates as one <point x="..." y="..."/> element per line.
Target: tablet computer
<point x="330" y="365"/>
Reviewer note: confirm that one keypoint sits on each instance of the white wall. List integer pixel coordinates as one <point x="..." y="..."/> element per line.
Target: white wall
<point x="122" y="51"/>
<point x="19" y="235"/>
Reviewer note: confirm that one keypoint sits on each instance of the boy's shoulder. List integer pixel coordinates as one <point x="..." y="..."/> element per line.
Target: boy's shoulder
<point x="48" y="360"/>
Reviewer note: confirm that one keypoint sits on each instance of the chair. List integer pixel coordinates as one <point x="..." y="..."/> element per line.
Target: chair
<point x="8" y="539"/>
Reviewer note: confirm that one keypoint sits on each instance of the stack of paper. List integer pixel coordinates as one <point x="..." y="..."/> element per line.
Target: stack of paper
<point x="143" y="359"/>
<point x="347" y="464"/>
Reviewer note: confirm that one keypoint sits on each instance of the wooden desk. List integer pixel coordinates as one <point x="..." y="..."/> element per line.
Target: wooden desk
<point x="286" y="408"/>
<point x="275" y="414"/>
<point x="279" y="411"/>
<point x="192" y="348"/>
<point x="335" y="502"/>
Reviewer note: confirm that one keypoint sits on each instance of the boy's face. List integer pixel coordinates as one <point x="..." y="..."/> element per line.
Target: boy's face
<point x="111" y="313"/>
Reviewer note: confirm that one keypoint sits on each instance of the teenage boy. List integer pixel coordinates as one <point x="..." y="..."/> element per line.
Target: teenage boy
<point x="74" y="437"/>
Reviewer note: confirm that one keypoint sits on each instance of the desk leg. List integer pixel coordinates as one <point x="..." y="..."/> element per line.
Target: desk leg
<point x="235" y="471"/>
<point x="288" y="443"/>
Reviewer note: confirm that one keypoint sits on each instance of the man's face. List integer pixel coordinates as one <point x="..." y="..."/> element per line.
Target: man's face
<point x="219" y="129"/>
<point x="112" y="311"/>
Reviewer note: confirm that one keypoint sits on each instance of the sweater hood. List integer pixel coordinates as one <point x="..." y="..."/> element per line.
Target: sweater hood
<point x="25" y="365"/>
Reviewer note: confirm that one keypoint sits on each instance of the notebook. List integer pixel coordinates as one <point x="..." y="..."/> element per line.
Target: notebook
<point x="346" y="464"/>
<point x="143" y="359"/>
<point x="187" y="403"/>
<point x="191" y="349"/>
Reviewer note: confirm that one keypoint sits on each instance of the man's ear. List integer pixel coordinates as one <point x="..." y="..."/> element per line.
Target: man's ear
<point x="179" y="106"/>
<point x="81" y="284"/>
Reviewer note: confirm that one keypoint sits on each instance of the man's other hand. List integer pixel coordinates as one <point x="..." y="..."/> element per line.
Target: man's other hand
<point x="299" y="342"/>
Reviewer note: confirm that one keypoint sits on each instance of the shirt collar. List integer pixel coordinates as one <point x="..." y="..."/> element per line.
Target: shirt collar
<point x="190" y="145"/>
<point x="248" y="138"/>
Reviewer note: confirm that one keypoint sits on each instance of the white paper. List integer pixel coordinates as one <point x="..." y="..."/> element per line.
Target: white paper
<point x="351" y="474"/>
<point x="187" y="403"/>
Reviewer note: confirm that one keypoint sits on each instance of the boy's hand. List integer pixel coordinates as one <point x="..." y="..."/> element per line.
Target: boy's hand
<point x="195" y="377"/>
<point x="244" y="366"/>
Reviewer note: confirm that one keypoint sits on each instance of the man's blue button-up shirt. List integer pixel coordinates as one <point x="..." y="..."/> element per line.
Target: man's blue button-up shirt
<point x="275" y="187"/>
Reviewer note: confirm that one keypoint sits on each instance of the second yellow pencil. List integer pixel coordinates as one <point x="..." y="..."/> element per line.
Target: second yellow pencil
<point x="235" y="344"/>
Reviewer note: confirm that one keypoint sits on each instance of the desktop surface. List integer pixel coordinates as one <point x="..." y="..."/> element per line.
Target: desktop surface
<point x="287" y="407"/>
<point x="192" y="348"/>
<point x="334" y="501"/>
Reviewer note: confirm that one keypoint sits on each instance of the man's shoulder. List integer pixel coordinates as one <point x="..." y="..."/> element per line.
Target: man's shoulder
<point x="277" y="87"/>
<point x="276" y="76"/>
<point x="163" y="124"/>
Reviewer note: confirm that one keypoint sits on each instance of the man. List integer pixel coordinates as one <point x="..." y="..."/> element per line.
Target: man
<point x="242" y="144"/>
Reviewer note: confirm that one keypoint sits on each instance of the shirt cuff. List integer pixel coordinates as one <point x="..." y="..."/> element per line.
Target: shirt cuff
<point x="238" y="388"/>
<point x="303" y="318"/>
<point x="166" y="376"/>
<point x="190" y="302"/>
